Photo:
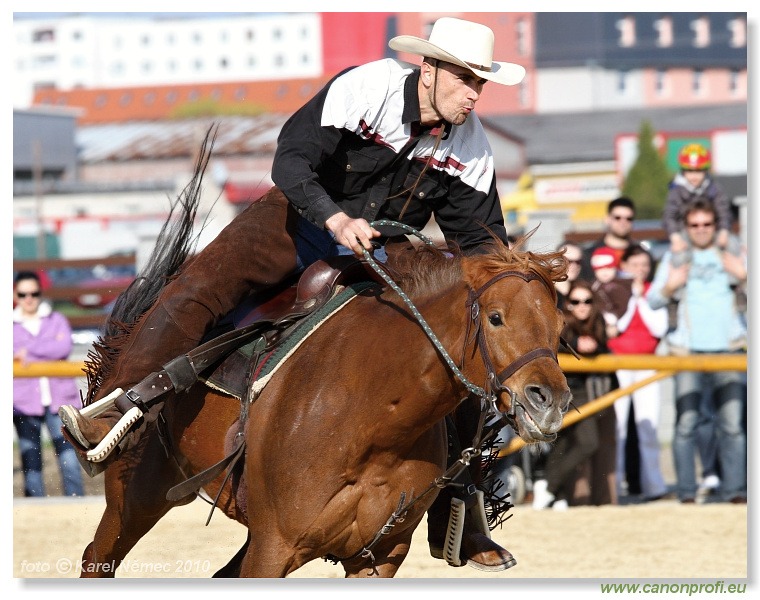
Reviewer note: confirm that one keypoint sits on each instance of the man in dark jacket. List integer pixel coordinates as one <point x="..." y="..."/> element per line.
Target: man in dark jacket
<point x="382" y="140"/>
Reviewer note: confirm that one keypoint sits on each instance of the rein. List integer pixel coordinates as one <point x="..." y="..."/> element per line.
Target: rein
<point x="495" y="383"/>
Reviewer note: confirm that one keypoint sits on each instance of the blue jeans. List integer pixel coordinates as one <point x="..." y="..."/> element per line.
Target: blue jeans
<point x="29" y="430"/>
<point x="314" y="243"/>
<point x="728" y="393"/>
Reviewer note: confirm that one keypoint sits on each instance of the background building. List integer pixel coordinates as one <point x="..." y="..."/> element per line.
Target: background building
<point x="137" y="94"/>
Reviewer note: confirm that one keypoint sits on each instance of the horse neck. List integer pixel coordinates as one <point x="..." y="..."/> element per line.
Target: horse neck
<point x="447" y="316"/>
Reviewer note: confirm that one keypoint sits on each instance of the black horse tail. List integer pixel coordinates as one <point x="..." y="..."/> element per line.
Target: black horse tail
<point x="174" y="244"/>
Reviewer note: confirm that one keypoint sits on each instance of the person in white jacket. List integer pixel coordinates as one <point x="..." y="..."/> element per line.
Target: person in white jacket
<point x="641" y="328"/>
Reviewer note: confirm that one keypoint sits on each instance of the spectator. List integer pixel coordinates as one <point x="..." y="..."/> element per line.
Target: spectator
<point x="581" y="442"/>
<point x="621" y="213"/>
<point x="694" y="182"/>
<point x="538" y="453"/>
<point x="41" y="334"/>
<point x="613" y="292"/>
<point x="574" y="256"/>
<point x="640" y="329"/>
<point x="708" y="322"/>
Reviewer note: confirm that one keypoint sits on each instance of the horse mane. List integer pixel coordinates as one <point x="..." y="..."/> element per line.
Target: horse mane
<point x="174" y="244"/>
<point x="427" y="271"/>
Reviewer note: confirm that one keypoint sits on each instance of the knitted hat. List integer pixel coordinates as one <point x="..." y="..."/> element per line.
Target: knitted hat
<point x="604" y="258"/>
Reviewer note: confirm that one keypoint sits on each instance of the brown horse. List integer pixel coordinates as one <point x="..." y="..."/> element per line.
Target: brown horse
<point x="350" y="429"/>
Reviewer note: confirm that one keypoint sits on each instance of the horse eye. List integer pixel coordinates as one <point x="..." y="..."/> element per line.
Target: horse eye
<point x="495" y="319"/>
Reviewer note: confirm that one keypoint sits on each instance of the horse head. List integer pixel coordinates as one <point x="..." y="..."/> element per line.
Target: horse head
<point x="515" y="325"/>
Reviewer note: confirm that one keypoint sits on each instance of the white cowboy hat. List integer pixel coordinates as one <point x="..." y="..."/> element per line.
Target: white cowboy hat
<point x="465" y="44"/>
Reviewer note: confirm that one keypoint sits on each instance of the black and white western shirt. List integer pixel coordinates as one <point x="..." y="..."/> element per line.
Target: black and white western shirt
<point x="358" y="147"/>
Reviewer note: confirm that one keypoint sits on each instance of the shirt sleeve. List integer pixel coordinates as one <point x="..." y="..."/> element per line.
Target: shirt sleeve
<point x="671" y="214"/>
<point x="301" y="146"/>
<point x="463" y="217"/>
<point x="654" y="296"/>
<point x="722" y="204"/>
<point x="53" y="341"/>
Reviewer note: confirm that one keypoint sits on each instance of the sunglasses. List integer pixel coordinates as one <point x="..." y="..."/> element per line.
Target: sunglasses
<point x="574" y="302"/>
<point x="573" y="261"/>
<point x="622" y="218"/>
<point x="25" y="294"/>
<point x="701" y="225"/>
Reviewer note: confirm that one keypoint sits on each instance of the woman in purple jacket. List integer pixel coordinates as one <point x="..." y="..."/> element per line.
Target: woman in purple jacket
<point x="39" y="334"/>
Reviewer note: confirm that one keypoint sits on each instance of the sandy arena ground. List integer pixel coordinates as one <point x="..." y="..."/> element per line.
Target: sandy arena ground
<point x="646" y="541"/>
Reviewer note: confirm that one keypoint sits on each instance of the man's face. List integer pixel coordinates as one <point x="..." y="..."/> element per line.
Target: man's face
<point x="451" y="91"/>
<point x="620" y="221"/>
<point x="700" y="227"/>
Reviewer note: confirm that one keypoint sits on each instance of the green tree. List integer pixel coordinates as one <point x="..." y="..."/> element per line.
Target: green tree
<point x="647" y="181"/>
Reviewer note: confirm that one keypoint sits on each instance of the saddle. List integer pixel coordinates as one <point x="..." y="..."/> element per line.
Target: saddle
<point x="283" y="307"/>
<point x="263" y="328"/>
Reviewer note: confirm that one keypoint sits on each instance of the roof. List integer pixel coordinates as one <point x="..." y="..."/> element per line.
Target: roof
<point x="590" y="136"/>
<point x="178" y="138"/>
<point x="108" y="105"/>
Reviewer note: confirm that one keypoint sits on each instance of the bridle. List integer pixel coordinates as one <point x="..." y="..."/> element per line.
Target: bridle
<point x="496" y="382"/>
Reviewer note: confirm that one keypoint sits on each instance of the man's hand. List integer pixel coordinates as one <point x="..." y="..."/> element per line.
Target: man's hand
<point x="351" y="233"/>
<point x="734" y="265"/>
<point x="677" y="277"/>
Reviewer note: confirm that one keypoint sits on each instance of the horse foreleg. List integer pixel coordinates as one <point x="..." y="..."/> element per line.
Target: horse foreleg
<point x="134" y="504"/>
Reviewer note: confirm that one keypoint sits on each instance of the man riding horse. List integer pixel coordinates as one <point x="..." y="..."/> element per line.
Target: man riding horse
<point x="384" y="140"/>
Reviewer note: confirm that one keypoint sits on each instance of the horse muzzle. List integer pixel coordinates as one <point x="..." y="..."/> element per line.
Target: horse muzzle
<point x="538" y="412"/>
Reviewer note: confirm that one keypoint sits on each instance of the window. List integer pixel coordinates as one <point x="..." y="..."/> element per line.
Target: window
<point x="738" y="29"/>
<point x="622" y="81"/>
<point x="223" y="63"/>
<point x="660" y="81"/>
<point x="701" y="29"/>
<point x="250" y="35"/>
<point x="522" y="37"/>
<point x="697" y="83"/>
<point x="522" y="93"/>
<point x="627" y="28"/>
<point x="664" y="28"/>
<point x="277" y="34"/>
<point x="43" y="35"/>
<point x="76" y="35"/>
<point x="733" y="81"/>
<point x="279" y="60"/>
<point x="125" y="99"/>
<point x="147" y="66"/>
<point x="149" y="98"/>
<point x="145" y="40"/>
<point x="198" y="64"/>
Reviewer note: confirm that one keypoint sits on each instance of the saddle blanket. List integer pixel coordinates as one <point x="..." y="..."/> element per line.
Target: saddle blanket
<point x="231" y="375"/>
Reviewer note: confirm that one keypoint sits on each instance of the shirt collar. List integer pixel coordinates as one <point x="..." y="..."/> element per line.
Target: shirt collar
<point x="412" y="112"/>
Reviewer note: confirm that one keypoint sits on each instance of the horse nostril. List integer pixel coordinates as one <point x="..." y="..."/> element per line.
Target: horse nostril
<point x="538" y="395"/>
<point x="567" y="397"/>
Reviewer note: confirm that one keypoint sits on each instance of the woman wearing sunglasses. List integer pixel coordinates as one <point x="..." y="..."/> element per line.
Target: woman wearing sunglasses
<point x="41" y="334"/>
<point x="592" y="438"/>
